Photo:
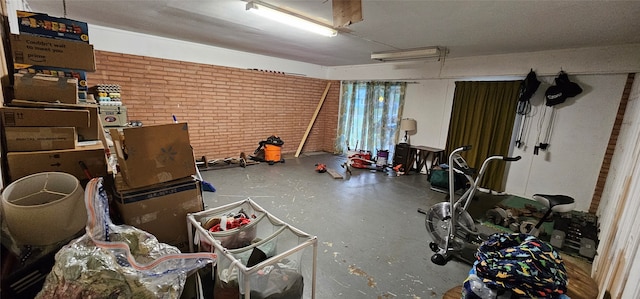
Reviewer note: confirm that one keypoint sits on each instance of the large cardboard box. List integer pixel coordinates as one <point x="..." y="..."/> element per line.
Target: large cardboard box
<point x="90" y="132"/>
<point x="43" y="88"/>
<point x="23" y="139"/>
<point x="44" y="117"/>
<point x="162" y="209"/>
<point x="113" y="116"/>
<point x="36" y="50"/>
<point x="151" y="155"/>
<point x="93" y="156"/>
<point x="44" y="25"/>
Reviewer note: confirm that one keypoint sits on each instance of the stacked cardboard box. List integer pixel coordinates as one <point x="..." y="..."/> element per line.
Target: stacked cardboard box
<point x="154" y="188"/>
<point x="30" y="50"/>
<point x="46" y="139"/>
<point x="42" y="88"/>
<point x="162" y="209"/>
<point x="40" y="24"/>
<point x="33" y="55"/>
<point x="45" y="128"/>
<point x="79" y="75"/>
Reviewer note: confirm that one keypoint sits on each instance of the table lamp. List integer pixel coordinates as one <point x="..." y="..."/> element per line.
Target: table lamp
<point x="406" y="125"/>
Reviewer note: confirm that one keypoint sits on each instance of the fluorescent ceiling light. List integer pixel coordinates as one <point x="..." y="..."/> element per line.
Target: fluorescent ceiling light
<point x="410" y="54"/>
<point x="289" y="18"/>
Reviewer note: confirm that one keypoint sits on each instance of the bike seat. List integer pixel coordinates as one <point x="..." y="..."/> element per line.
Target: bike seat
<point x="556" y="203"/>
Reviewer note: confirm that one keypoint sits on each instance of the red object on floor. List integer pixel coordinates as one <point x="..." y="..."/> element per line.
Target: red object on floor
<point x="321" y="168"/>
<point x="361" y="160"/>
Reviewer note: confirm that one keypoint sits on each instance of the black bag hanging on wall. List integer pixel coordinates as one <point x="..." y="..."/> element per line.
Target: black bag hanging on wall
<point x="527" y="89"/>
<point x="554" y="95"/>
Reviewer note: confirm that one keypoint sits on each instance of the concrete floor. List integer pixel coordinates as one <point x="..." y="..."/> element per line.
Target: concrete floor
<point x="372" y="242"/>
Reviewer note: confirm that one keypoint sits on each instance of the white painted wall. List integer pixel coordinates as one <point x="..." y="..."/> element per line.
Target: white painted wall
<point x="429" y="102"/>
<point x="113" y="40"/>
<point x="581" y="132"/>
<point x="600" y="60"/>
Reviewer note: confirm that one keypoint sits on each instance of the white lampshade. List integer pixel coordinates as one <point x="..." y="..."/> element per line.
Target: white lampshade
<point x="408" y="124"/>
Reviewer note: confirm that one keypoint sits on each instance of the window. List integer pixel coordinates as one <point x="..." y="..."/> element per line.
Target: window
<point x="369" y="116"/>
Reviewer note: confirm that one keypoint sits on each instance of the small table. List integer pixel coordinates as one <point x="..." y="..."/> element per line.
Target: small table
<point x="420" y="154"/>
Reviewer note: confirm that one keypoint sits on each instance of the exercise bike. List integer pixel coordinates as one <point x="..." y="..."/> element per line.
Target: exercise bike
<point x="463" y="239"/>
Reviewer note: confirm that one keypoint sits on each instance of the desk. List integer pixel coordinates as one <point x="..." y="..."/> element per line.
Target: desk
<point x="420" y="154"/>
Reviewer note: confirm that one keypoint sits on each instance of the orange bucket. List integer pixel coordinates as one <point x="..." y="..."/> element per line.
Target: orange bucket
<point x="272" y="153"/>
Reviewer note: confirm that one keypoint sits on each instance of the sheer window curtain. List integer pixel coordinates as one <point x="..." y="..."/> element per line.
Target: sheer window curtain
<point x="369" y="117"/>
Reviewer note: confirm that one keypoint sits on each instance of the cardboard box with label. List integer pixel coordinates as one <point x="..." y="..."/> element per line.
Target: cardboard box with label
<point x="24" y="139"/>
<point x="113" y="116"/>
<point x="45" y="25"/>
<point x="44" y="88"/>
<point x="162" y="209"/>
<point x="44" y="117"/>
<point x="86" y="133"/>
<point x="155" y="154"/>
<point x="43" y="51"/>
<point x="93" y="156"/>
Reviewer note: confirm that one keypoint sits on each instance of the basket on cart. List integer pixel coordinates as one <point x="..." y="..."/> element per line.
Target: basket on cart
<point x="264" y="257"/>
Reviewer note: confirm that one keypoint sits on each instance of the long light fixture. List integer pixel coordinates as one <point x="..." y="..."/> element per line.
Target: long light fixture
<point x="289" y="18"/>
<point x="410" y="54"/>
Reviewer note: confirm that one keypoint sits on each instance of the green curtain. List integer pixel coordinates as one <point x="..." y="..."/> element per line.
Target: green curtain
<point x="369" y="116"/>
<point x="482" y="116"/>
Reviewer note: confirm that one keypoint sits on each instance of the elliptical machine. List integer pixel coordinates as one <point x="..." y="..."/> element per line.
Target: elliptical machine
<point x="462" y="239"/>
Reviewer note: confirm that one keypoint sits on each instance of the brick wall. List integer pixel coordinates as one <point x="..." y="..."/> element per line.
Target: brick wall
<point x="611" y="146"/>
<point x="228" y="110"/>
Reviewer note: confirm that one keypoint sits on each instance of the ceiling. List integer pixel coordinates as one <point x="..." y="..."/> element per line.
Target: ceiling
<point x="466" y="28"/>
